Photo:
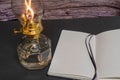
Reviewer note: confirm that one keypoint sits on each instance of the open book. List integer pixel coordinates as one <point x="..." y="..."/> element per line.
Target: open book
<point x="71" y="58"/>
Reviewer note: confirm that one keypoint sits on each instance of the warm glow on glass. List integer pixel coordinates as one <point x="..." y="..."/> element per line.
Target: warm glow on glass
<point x="34" y="51"/>
<point x="29" y="10"/>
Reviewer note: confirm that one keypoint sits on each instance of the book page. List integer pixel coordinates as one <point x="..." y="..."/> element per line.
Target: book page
<point x="71" y="58"/>
<point x="108" y="54"/>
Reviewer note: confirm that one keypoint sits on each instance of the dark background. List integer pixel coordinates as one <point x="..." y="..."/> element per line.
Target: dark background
<point x="10" y="68"/>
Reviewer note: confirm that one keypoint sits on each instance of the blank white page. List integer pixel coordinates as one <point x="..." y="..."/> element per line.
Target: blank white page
<point x="108" y="54"/>
<point x="71" y="58"/>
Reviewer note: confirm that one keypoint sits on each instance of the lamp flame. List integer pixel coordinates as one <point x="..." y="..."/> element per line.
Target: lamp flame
<point x="29" y="10"/>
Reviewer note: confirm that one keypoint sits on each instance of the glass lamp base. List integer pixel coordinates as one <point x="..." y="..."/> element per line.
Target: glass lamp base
<point x="35" y="54"/>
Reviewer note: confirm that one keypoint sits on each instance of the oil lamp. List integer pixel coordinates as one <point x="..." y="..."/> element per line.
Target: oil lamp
<point x="34" y="51"/>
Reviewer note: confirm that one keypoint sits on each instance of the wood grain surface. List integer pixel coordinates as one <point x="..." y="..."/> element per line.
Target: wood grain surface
<point x="67" y="9"/>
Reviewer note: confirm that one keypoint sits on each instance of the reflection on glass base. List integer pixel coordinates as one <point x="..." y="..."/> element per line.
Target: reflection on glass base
<point x="35" y="54"/>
